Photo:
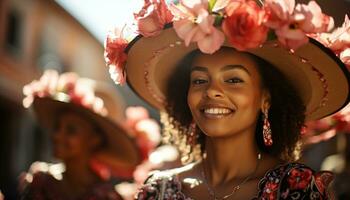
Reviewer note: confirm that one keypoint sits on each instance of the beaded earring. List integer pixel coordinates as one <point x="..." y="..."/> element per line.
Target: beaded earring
<point x="267" y="133"/>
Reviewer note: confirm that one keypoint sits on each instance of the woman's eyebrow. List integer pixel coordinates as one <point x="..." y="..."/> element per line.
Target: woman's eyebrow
<point x="230" y="67"/>
<point x="225" y="68"/>
<point x="199" y="68"/>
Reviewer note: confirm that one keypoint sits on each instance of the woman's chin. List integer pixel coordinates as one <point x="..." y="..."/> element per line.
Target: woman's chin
<point x="216" y="128"/>
<point x="214" y="132"/>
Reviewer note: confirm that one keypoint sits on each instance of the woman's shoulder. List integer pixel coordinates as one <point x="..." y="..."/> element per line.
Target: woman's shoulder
<point x="164" y="185"/>
<point x="40" y="178"/>
<point x="41" y="173"/>
<point x="42" y="181"/>
<point x="296" y="181"/>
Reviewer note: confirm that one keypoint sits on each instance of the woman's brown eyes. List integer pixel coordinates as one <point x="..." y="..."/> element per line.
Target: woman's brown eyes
<point x="203" y="81"/>
<point x="234" y="80"/>
<point x="198" y="81"/>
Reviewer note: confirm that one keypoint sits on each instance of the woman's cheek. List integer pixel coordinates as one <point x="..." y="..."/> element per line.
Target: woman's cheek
<point x="75" y="145"/>
<point x="194" y="97"/>
<point x="242" y="96"/>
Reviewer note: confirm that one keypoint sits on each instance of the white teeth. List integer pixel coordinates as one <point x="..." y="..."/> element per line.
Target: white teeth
<point x="217" y="111"/>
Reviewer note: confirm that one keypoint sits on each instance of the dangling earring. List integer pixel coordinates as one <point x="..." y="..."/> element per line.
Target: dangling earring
<point x="267" y="134"/>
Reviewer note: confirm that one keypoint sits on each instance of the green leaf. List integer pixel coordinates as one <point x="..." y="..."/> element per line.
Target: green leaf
<point x="218" y="20"/>
<point x="271" y="35"/>
<point x="211" y="4"/>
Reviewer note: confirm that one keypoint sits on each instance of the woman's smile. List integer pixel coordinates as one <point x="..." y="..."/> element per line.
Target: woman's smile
<point x="216" y="111"/>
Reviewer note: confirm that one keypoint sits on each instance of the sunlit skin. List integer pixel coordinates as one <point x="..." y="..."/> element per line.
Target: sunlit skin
<point x="225" y="98"/>
<point x="74" y="141"/>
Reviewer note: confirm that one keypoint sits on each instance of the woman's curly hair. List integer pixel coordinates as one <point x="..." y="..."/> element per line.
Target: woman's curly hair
<point x="286" y="113"/>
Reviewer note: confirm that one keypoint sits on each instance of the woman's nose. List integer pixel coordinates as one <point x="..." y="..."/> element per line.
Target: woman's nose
<point x="214" y="91"/>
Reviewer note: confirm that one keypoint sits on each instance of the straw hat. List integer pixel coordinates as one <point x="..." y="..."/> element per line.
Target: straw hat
<point x="319" y="76"/>
<point x="95" y="100"/>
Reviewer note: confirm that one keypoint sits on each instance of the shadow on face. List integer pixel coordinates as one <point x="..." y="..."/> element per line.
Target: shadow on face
<point x="74" y="136"/>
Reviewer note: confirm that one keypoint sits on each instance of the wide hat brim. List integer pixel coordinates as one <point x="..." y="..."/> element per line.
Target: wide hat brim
<point x="120" y="146"/>
<point x="321" y="79"/>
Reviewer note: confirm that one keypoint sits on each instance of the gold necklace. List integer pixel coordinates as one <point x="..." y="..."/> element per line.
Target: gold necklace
<point x="235" y="188"/>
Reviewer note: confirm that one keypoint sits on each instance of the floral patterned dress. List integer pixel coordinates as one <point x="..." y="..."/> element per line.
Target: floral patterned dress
<point x="289" y="181"/>
<point x="45" y="187"/>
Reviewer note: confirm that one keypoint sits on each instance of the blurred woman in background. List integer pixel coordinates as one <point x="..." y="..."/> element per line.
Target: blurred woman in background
<point x="87" y="135"/>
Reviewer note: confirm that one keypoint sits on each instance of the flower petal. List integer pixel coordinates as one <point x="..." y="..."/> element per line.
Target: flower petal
<point x="212" y="42"/>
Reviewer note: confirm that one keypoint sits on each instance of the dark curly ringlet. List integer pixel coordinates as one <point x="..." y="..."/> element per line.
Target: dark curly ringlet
<point x="286" y="113"/>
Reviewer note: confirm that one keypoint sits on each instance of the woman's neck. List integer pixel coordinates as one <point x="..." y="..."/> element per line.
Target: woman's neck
<point x="229" y="158"/>
<point x="79" y="173"/>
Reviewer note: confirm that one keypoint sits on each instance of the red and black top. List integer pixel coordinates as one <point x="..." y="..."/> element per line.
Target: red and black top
<point x="289" y="181"/>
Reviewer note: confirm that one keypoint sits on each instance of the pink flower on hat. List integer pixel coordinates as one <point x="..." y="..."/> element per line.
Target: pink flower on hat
<point x="152" y="17"/>
<point x="343" y="119"/>
<point x="291" y="38"/>
<point x="243" y="24"/>
<point x="292" y="23"/>
<point x="279" y="12"/>
<point x="323" y="38"/>
<point x="311" y="19"/>
<point x="345" y="57"/>
<point x="282" y="20"/>
<point x="67" y="87"/>
<point x="338" y="41"/>
<point x="66" y="82"/>
<point x="43" y="87"/>
<point x="115" y="56"/>
<point x="193" y="23"/>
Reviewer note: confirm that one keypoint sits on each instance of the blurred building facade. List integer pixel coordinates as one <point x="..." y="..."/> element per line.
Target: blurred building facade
<point x="36" y="35"/>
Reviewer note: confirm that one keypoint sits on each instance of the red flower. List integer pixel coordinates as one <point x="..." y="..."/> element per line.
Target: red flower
<point x="244" y="24"/>
<point x="323" y="180"/>
<point x="299" y="178"/>
<point x="115" y="56"/>
<point x="270" y="191"/>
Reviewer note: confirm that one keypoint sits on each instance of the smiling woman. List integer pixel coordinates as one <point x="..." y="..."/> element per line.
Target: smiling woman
<point x="227" y="94"/>
<point x="245" y="119"/>
<point x="235" y="81"/>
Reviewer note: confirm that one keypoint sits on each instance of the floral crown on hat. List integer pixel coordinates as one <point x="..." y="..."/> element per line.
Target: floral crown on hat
<point x="67" y="87"/>
<point x="246" y="24"/>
